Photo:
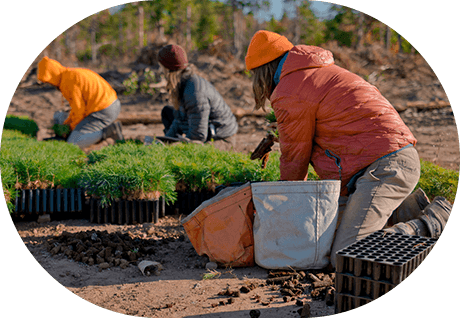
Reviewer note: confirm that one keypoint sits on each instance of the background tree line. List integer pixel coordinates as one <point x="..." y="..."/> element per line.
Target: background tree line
<point x="111" y="37"/>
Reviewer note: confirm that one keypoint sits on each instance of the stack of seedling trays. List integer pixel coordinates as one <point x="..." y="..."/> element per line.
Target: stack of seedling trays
<point x="371" y="267"/>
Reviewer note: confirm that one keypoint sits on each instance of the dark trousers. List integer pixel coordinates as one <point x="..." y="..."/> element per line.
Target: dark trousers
<point x="167" y="117"/>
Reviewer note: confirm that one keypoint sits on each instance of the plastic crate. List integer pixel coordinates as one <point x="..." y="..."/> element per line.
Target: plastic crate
<point x="369" y="268"/>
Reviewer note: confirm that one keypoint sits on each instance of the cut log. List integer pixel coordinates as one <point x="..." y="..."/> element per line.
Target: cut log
<point x="139" y="118"/>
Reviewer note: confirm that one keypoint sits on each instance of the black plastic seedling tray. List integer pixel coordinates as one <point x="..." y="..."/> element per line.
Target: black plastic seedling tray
<point x="143" y="211"/>
<point x="60" y="202"/>
<point x="49" y="201"/>
<point x="187" y="202"/>
<point x="369" y="268"/>
<point x="345" y="302"/>
<point x="127" y="211"/>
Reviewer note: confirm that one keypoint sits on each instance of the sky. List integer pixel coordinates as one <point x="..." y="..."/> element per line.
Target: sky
<point x="276" y="9"/>
<point x="318" y="7"/>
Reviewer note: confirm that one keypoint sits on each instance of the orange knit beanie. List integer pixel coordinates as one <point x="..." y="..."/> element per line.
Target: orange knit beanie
<point x="266" y="46"/>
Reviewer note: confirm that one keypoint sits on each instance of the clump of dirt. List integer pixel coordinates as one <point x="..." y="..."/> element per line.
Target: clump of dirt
<point x="101" y="248"/>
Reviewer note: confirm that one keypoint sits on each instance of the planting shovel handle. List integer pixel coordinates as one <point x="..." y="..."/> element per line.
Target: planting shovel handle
<point x="168" y="139"/>
<point x="264" y="147"/>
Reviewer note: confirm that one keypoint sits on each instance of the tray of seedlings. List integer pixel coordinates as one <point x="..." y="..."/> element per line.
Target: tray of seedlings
<point x="128" y="183"/>
<point x="40" y="177"/>
<point x="201" y="171"/>
<point x="133" y="183"/>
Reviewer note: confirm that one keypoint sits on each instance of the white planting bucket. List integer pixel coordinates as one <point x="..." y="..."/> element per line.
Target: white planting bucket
<point x="294" y="223"/>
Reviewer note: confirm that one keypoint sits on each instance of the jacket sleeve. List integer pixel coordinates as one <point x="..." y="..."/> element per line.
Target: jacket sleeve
<point x="77" y="106"/>
<point x="296" y="133"/>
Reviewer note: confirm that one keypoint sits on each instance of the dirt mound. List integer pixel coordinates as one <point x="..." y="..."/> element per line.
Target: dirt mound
<point x="400" y="77"/>
<point x="148" y="55"/>
<point x="229" y="79"/>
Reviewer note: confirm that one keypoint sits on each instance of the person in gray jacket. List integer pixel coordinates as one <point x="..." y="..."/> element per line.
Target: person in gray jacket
<point x="199" y="112"/>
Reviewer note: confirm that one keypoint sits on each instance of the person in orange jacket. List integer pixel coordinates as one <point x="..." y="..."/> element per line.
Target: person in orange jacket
<point x="93" y="102"/>
<point x="340" y="124"/>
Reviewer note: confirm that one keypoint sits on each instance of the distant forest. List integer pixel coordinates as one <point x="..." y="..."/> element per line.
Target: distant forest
<point x="222" y="28"/>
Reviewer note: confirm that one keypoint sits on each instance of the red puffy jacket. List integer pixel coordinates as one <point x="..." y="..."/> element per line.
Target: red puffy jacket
<point x="324" y="111"/>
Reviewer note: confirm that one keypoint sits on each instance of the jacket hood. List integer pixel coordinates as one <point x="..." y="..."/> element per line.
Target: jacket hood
<point x="306" y="56"/>
<point x="50" y="71"/>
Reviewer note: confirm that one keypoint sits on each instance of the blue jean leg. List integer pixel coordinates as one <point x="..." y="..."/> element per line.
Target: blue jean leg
<point x="89" y="130"/>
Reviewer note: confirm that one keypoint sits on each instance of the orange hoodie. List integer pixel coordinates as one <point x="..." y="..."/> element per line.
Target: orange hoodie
<point x="86" y="91"/>
<point x="324" y="111"/>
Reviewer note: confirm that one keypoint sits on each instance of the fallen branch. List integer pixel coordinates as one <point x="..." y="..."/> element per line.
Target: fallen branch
<point x="278" y="280"/>
<point x="326" y="282"/>
<point x="155" y="118"/>
<point x="421" y="105"/>
<point x="313" y="277"/>
<point x="133" y="119"/>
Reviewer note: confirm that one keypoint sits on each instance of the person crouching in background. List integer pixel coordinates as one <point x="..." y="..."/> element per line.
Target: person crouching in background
<point x="94" y="104"/>
<point x="198" y="110"/>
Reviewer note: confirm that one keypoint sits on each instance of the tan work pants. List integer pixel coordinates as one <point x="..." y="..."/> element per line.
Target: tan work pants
<point x="382" y="188"/>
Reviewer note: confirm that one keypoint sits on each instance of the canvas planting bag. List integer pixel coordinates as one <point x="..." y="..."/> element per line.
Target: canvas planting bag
<point x="221" y="227"/>
<point x="294" y="223"/>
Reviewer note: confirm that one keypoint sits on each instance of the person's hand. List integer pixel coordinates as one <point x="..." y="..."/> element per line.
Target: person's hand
<point x="62" y="130"/>
<point x="189" y="141"/>
<point x="198" y="142"/>
<point x="183" y="139"/>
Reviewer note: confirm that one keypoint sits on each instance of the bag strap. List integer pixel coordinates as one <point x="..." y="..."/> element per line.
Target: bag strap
<point x="332" y="155"/>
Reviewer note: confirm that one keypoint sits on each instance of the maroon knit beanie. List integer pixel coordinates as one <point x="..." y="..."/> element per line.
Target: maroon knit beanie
<point x="173" y="57"/>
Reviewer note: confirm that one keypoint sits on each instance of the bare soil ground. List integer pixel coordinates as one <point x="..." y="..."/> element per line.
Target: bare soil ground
<point x="179" y="290"/>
